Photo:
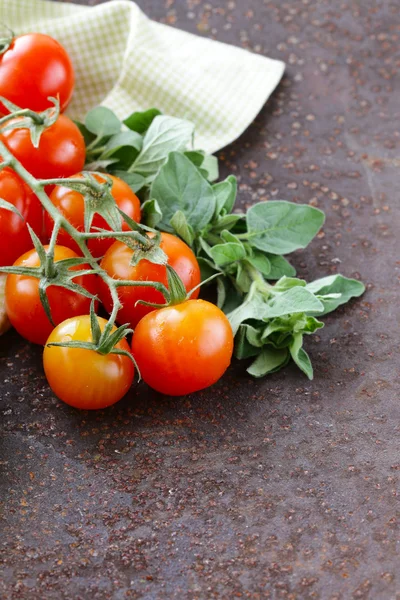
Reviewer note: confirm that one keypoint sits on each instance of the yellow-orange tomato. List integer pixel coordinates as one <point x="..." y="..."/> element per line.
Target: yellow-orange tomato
<point x="84" y="378"/>
<point x="183" y="348"/>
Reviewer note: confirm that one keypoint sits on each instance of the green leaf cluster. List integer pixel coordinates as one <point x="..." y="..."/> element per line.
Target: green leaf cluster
<point x="270" y="310"/>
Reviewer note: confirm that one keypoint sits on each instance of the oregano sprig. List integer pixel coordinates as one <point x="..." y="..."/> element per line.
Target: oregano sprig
<point x="270" y="310"/>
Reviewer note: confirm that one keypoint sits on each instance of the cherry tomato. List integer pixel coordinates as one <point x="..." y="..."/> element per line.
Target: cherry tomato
<point x="183" y="348"/>
<point x="14" y="234"/>
<point x="84" y="378"/>
<point x="4" y="320"/>
<point x="34" y="68"/>
<point x="23" y="304"/>
<point x="61" y="151"/>
<point x="116" y="263"/>
<point x="72" y="205"/>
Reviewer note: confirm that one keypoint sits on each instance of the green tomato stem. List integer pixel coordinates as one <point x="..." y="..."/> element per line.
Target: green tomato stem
<point x="24" y="112"/>
<point x="60" y="222"/>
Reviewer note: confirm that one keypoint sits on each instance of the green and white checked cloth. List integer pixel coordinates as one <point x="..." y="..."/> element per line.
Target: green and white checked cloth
<point x="127" y="62"/>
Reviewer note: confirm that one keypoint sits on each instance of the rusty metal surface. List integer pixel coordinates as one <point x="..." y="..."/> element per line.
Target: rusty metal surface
<point x="280" y="488"/>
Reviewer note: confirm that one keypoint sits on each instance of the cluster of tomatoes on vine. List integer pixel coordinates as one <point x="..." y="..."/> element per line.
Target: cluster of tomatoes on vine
<point x="58" y="281"/>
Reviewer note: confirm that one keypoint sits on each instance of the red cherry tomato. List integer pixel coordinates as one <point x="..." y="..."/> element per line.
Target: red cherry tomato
<point x="84" y="378"/>
<point x="14" y="234"/>
<point x="183" y="348"/>
<point x="61" y="151"/>
<point x="34" y="68"/>
<point x="116" y="263"/>
<point x="72" y="205"/>
<point x="23" y="304"/>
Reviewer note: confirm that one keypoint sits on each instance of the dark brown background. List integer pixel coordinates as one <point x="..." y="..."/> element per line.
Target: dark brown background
<point x="278" y="488"/>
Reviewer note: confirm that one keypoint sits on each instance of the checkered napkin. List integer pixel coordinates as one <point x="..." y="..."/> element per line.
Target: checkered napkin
<point x="127" y="62"/>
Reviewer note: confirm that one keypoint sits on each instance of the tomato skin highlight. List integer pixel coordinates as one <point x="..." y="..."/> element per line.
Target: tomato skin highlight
<point x="52" y="67"/>
<point x="22" y="300"/>
<point x="72" y="205"/>
<point x="14" y="234"/>
<point x="83" y="378"/>
<point x="116" y="263"/>
<point x="61" y="151"/>
<point x="183" y="348"/>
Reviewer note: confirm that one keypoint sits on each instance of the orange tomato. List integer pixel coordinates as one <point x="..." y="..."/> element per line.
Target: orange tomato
<point x="117" y="261"/>
<point x="183" y="348"/>
<point x="72" y="205"/>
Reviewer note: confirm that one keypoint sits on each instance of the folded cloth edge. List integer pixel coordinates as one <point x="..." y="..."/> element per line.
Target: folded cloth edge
<point x="247" y="96"/>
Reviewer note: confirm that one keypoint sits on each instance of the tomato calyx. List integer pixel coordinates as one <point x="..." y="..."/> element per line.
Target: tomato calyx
<point x="25" y="118"/>
<point x="98" y="199"/>
<point x="104" y="342"/>
<point x="144" y="245"/>
<point x="176" y="293"/>
<point x="51" y="273"/>
<point x="8" y="205"/>
<point x="6" y="39"/>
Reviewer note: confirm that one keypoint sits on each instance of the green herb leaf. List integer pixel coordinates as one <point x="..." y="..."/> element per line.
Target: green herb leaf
<point x="182" y="227"/>
<point x="224" y="254"/>
<point x="227" y="236"/>
<point x="336" y="284"/>
<point x="295" y="323"/>
<point x="300" y="356"/>
<point x="269" y="360"/>
<point x="221" y="291"/>
<point x="203" y="247"/>
<point x="88" y="136"/>
<point x="280" y="227"/>
<point x="252" y="307"/>
<point x="141" y="121"/>
<point x="243" y="348"/>
<point x="225" y="194"/>
<point x="207" y="269"/>
<point x="180" y="187"/>
<point x="102" y="122"/>
<point x="280" y="267"/>
<point x="165" y="135"/>
<point x="136" y="182"/>
<point x="195" y="156"/>
<point x="226" y="222"/>
<point x="233" y="297"/>
<point x="260" y="262"/>
<point x="100" y="165"/>
<point x="119" y="140"/>
<point x="286" y="283"/>
<point x="294" y="300"/>
<point x="124" y="146"/>
<point x="243" y="279"/>
<point x="151" y="213"/>
<point x="210" y="167"/>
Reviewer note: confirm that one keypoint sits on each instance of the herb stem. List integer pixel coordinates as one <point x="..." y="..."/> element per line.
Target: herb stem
<point x="257" y="277"/>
